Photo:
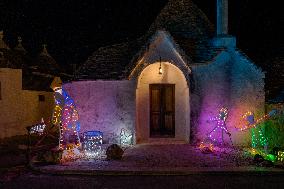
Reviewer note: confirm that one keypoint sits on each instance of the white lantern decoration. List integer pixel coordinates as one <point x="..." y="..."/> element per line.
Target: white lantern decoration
<point x="125" y="137"/>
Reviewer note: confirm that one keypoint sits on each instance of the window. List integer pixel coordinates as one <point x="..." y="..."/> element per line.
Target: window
<point x="41" y="98"/>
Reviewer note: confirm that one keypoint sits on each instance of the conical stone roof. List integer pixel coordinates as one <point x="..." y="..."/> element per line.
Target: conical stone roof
<point x="183" y="17"/>
<point x="185" y="22"/>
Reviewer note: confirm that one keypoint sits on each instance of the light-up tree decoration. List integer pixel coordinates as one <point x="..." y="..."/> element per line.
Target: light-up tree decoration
<point x="216" y="135"/>
<point x="65" y="116"/>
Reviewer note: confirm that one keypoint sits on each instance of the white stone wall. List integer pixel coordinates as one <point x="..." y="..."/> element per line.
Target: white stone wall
<point x="247" y="93"/>
<point x="33" y="109"/>
<point x="212" y="92"/>
<point x="10" y="114"/>
<point x="20" y="108"/>
<point x="231" y="81"/>
<point x="106" y="106"/>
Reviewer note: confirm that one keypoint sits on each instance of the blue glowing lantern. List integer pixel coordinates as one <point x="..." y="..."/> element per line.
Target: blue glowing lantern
<point x="92" y="142"/>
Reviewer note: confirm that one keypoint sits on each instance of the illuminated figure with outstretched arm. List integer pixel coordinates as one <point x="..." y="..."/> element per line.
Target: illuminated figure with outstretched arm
<point x="65" y="116"/>
<point x="217" y="133"/>
<point x="257" y="138"/>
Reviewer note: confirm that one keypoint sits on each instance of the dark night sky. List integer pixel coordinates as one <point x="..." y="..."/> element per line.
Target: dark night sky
<point x="73" y="29"/>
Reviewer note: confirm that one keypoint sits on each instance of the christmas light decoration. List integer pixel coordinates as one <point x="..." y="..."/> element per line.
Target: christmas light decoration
<point x="216" y="135"/>
<point x="125" y="137"/>
<point x="70" y="153"/>
<point x="65" y="116"/>
<point x="204" y="147"/>
<point x="92" y="144"/>
<point x="38" y="128"/>
<point x="258" y="138"/>
<point x="280" y="156"/>
<point x="270" y="157"/>
<point x="251" y="122"/>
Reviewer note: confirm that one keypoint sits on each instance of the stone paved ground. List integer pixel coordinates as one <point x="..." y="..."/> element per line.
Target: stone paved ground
<point x="171" y="157"/>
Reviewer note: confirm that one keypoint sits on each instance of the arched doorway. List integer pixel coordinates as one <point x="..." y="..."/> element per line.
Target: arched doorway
<point x="162" y="104"/>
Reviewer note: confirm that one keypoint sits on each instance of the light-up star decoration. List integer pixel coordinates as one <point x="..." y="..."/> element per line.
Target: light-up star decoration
<point x="216" y="135"/>
<point x="65" y="116"/>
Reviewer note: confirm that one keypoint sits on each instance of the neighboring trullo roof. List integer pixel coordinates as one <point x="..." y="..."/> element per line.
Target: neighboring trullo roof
<point x="187" y="24"/>
<point x="13" y="58"/>
<point x="4" y="53"/>
<point x="41" y="73"/>
<point x="2" y="43"/>
<point x="45" y="63"/>
<point x="20" y="47"/>
<point x="44" y="51"/>
<point x="35" y="76"/>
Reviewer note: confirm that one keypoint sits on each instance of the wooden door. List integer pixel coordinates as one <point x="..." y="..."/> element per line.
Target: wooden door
<point x="162" y="110"/>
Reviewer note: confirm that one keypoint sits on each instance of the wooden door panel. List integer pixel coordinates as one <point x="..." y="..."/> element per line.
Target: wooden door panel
<point x="155" y="120"/>
<point x="155" y="100"/>
<point x="168" y="123"/>
<point x="168" y="99"/>
<point x="162" y="110"/>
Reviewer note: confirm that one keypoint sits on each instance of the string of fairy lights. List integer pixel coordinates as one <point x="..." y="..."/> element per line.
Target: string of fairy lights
<point x="258" y="138"/>
<point x="216" y="134"/>
<point x="66" y="116"/>
<point x="251" y="122"/>
<point x="220" y="125"/>
<point x="38" y="128"/>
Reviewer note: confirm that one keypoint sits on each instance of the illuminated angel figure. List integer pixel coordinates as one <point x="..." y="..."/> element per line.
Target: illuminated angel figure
<point x="65" y="116"/>
<point x="125" y="137"/>
<point x="216" y="135"/>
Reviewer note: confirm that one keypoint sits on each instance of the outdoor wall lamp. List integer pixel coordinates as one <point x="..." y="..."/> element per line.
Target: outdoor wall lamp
<point x="160" y="67"/>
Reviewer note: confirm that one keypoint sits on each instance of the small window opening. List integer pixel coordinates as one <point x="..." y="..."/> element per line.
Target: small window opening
<point x="41" y="98"/>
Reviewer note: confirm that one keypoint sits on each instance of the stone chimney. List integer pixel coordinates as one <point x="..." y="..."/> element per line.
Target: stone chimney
<point x="223" y="39"/>
<point x="222" y="17"/>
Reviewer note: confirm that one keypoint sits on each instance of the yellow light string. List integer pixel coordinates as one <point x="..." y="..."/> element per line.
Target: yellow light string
<point x="254" y="125"/>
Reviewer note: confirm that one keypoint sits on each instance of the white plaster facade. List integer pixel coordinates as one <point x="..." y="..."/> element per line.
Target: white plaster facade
<point x="20" y="108"/>
<point x="109" y="106"/>
<point x="225" y="81"/>
<point x="106" y="106"/>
